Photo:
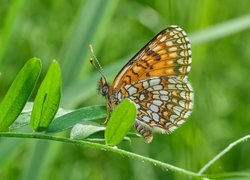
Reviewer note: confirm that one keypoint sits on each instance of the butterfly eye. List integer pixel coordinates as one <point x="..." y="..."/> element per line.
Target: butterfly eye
<point x="104" y="90"/>
<point x="103" y="87"/>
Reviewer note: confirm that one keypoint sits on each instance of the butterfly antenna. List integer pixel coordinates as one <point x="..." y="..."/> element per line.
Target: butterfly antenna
<point x="99" y="67"/>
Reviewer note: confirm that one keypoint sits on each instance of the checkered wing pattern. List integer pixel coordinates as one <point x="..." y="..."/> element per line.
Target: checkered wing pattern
<point x="155" y="79"/>
<point x="163" y="103"/>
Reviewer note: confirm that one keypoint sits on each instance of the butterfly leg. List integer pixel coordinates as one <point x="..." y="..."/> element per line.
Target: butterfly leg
<point x="107" y="114"/>
<point x="144" y="130"/>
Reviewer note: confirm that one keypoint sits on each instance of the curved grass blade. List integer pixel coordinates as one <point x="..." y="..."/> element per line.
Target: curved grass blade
<point x="47" y="99"/>
<point x="120" y="122"/>
<point x="19" y="92"/>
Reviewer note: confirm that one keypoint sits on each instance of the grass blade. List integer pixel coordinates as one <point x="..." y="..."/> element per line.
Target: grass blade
<point x="89" y="27"/>
<point x="11" y="21"/>
<point x="221" y="30"/>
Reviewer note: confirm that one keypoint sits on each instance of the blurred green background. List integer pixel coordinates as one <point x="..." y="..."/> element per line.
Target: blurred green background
<point x="219" y="32"/>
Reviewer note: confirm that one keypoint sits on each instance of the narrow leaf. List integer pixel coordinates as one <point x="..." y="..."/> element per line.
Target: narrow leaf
<point x="120" y="123"/>
<point x="82" y="131"/>
<point x="47" y="99"/>
<point x="19" y="92"/>
<point x="78" y="116"/>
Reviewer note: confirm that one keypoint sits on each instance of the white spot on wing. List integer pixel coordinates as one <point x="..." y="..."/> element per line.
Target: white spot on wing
<point x="163" y="38"/>
<point x="173" y="55"/>
<point x="163" y="92"/>
<point x="157" y="87"/>
<point x="182" y="103"/>
<point x="179" y="41"/>
<point x="171" y="33"/>
<point x="165" y="113"/>
<point x="119" y="95"/>
<point x="187" y="114"/>
<point x="180" y="122"/>
<point x="145" y="84"/>
<point x="173" y="117"/>
<point x="146" y="118"/>
<point x="127" y="86"/>
<point x="155" y="81"/>
<point x="157" y="102"/>
<point x="183" y="94"/>
<point x="132" y="90"/>
<point x="156" y="96"/>
<point x="177" y="110"/>
<point x="172" y="48"/>
<point x="142" y="97"/>
<point x="171" y="81"/>
<point x="184" y="33"/>
<point x="182" y="53"/>
<point x="179" y="86"/>
<point x="154" y="108"/>
<point x="157" y="48"/>
<point x="188" y="68"/>
<point x="164" y="98"/>
<point x="137" y="106"/>
<point x="176" y="36"/>
<point x="189" y="60"/>
<point x="171" y="129"/>
<point x="155" y="117"/>
<point x="169" y="43"/>
<point x="133" y="98"/>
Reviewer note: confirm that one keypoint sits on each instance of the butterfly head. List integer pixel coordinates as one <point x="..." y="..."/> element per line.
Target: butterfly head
<point x="103" y="87"/>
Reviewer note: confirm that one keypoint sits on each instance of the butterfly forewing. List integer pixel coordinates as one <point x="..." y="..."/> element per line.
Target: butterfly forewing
<point x="167" y="54"/>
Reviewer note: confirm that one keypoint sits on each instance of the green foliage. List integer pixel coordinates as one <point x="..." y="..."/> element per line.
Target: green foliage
<point x="83" y="131"/>
<point x="78" y="116"/>
<point x="19" y="92"/>
<point x="219" y="35"/>
<point x="120" y="122"/>
<point x="47" y="99"/>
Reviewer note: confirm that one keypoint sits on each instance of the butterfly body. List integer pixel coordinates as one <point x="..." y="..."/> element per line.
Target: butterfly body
<point x="155" y="79"/>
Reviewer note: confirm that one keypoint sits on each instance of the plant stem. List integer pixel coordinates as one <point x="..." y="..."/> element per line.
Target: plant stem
<point x="223" y="152"/>
<point x="105" y="148"/>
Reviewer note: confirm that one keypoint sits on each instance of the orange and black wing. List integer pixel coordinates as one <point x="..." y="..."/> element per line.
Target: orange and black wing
<point x="155" y="79"/>
<point x="167" y="54"/>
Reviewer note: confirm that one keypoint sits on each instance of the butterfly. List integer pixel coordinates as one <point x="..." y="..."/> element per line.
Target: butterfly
<point x="155" y="79"/>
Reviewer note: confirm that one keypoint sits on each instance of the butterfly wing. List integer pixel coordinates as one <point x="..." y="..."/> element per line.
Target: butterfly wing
<point x="155" y="79"/>
<point x="167" y="54"/>
<point x="163" y="103"/>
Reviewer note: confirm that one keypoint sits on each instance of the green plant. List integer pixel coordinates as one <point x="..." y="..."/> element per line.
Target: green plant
<point x="219" y="36"/>
<point x="84" y="131"/>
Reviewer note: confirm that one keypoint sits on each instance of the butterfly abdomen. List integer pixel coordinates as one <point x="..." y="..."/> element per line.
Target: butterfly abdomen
<point x="144" y="130"/>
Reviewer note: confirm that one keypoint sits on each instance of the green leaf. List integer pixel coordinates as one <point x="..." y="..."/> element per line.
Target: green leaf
<point x="19" y="92"/>
<point x="120" y="122"/>
<point x="78" y="116"/>
<point x="47" y="99"/>
<point x="82" y="131"/>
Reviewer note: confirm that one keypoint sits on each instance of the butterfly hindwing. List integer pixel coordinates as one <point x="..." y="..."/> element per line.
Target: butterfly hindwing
<point x="162" y="102"/>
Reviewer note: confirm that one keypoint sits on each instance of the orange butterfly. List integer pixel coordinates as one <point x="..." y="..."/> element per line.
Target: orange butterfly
<point x="155" y="79"/>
